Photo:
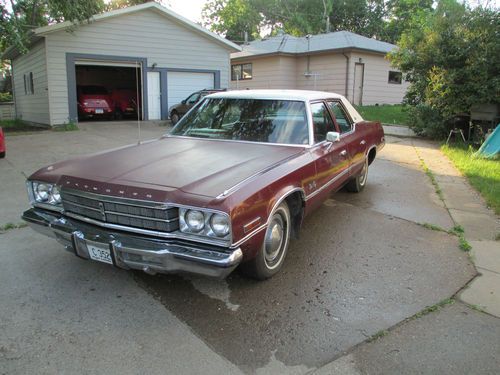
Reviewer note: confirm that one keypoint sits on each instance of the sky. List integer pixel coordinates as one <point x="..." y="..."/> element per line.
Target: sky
<point x="191" y="9"/>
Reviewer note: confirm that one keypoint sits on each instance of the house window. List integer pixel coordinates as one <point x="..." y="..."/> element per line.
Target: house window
<point x="241" y="72"/>
<point x="395" y="77"/>
<point x="29" y="87"/>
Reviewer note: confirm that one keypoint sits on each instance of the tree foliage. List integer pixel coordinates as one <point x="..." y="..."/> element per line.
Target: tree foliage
<point x="451" y="58"/>
<point x="19" y="17"/>
<point x="379" y="19"/>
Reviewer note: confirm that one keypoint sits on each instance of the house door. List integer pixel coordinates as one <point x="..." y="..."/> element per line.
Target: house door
<point x="359" y="72"/>
<point x="154" y="96"/>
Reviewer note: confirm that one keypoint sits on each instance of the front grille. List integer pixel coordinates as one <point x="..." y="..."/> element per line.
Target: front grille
<point x="143" y="215"/>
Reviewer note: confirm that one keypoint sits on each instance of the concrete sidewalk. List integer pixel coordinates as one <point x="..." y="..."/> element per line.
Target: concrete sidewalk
<point x="481" y="226"/>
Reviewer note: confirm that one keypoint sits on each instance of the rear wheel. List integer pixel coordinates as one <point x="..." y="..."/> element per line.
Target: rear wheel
<point x="174" y="117"/>
<point x="2" y="155"/>
<point x="358" y="183"/>
<point x="272" y="254"/>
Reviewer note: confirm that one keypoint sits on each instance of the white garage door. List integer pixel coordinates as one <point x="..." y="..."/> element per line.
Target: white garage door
<point x="182" y="84"/>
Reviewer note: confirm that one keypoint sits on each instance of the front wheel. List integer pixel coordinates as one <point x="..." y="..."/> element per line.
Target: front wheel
<point x="272" y="254"/>
<point x="358" y="183"/>
<point x="174" y="117"/>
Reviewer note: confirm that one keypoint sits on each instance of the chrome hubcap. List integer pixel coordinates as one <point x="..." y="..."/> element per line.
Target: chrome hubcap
<point x="274" y="240"/>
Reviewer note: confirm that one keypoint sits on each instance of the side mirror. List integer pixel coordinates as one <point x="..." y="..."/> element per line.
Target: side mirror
<point x="184" y="101"/>
<point x="333" y="137"/>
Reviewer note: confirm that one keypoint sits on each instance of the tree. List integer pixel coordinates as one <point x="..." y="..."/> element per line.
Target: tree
<point x="450" y="58"/>
<point x="19" y="18"/>
<point x="232" y="18"/>
<point x="402" y="15"/>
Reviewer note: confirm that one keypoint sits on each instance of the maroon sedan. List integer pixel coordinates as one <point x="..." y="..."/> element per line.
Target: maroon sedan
<point x="229" y="185"/>
<point x="94" y="102"/>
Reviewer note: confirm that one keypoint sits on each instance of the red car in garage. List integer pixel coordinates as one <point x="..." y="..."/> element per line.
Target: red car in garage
<point x="2" y="144"/>
<point x="125" y="101"/>
<point x="94" y="102"/>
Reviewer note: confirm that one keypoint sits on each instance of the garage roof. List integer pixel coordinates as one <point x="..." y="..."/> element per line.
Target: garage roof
<point x="291" y="45"/>
<point x="38" y="33"/>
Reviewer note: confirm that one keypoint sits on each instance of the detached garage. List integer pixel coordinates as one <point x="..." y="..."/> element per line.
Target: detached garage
<point x="137" y="61"/>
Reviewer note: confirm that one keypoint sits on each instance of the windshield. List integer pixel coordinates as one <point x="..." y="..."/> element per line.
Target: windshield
<point x="255" y="120"/>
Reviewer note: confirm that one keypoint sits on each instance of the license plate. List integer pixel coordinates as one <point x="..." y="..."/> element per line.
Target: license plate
<point x="101" y="254"/>
<point x="99" y="111"/>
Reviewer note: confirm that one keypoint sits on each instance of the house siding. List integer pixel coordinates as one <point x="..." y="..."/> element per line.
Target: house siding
<point x="276" y="72"/>
<point x="288" y="72"/>
<point x="376" y="89"/>
<point x="32" y="107"/>
<point x="145" y="34"/>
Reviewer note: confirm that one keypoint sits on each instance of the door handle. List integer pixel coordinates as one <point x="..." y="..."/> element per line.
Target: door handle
<point x="343" y="153"/>
<point x="363" y="142"/>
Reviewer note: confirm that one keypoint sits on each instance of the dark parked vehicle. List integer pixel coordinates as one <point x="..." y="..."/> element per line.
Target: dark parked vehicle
<point x="230" y="184"/>
<point x="125" y="101"/>
<point x="178" y="110"/>
<point x="94" y="102"/>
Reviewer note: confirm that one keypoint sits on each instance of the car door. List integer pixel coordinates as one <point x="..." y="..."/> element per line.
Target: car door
<point x="352" y="138"/>
<point x="331" y="158"/>
<point x="189" y="102"/>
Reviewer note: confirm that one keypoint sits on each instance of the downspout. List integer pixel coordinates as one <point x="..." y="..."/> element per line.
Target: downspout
<point x="347" y="63"/>
<point x="13" y="87"/>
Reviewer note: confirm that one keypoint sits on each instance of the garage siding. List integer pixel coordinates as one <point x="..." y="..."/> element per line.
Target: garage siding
<point x="144" y="34"/>
<point x="32" y="107"/>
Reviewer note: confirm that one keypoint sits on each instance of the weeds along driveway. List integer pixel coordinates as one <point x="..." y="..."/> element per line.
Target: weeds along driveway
<point x="362" y="265"/>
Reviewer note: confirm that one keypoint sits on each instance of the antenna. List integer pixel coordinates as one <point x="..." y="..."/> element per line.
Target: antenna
<point x="137" y="103"/>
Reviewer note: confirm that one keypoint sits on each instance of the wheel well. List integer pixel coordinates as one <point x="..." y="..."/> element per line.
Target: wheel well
<point x="371" y="155"/>
<point x="295" y="204"/>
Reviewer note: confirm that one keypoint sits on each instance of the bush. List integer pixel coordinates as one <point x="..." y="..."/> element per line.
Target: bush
<point x="5" y="97"/>
<point x="427" y="121"/>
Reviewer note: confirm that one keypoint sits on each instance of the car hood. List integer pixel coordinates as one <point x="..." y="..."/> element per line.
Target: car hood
<point x="196" y="166"/>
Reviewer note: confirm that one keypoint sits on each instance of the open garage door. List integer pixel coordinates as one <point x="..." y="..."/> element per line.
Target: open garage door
<point x="108" y="91"/>
<point x="182" y="84"/>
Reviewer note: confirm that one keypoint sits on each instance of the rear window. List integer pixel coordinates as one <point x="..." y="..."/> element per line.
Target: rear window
<point x="254" y="120"/>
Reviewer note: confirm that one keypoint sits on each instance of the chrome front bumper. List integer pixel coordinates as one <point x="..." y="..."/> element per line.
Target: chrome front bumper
<point x="135" y="252"/>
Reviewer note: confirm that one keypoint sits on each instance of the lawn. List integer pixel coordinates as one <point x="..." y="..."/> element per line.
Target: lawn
<point x="386" y="114"/>
<point x="483" y="174"/>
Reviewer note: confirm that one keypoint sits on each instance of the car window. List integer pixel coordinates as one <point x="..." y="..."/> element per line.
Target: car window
<point x="322" y="122"/>
<point x="193" y="98"/>
<point x="343" y="121"/>
<point x="255" y="120"/>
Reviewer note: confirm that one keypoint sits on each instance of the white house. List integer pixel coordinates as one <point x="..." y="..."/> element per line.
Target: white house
<point x="168" y="55"/>
<point x="341" y="62"/>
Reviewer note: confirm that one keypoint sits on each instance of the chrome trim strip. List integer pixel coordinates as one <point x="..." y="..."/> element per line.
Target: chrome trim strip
<point x="249" y="235"/>
<point x="238" y="141"/>
<point x="173" y="235"/>
<point x="334" y="179"/>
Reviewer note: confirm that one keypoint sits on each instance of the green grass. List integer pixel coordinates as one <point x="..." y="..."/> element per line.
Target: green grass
<point x="10" y="226"/>
<point x="386" y="114"/>
<point x="483" y="174"/>
<point x="67" y="127"/>
<point x="12" y="124"/>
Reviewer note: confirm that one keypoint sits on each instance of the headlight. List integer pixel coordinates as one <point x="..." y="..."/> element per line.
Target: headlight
<point x="195" y="220"/>
<point x="42" y="192"/>
<point x="205" y="223"/>
<point x="220" y="224"/>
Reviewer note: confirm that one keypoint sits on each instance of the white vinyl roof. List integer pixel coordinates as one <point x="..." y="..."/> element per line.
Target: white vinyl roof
<point x="298" y="95"/>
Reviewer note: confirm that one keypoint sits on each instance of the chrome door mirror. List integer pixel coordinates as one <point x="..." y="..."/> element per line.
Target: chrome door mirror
<point x="333" y="137"/>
